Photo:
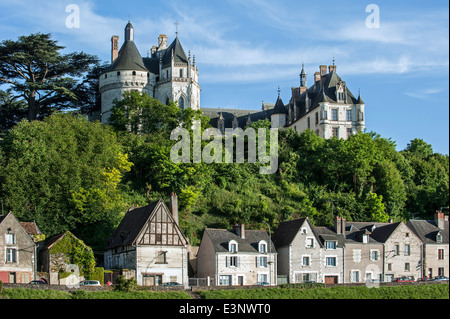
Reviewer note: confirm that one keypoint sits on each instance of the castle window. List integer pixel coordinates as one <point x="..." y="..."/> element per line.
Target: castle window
<point x="317" y="118"/>
<point x="349" y="115"/>
<point x="181" y="73"/>
<point x="118" y="73"/>
<point x="349" y="132"/>
<point x="167" y="101"/>
<point x="134" y="72"/>
<point x="335" y="131"/>
<point x="334" y="115"/>
<point x="106" y="76"/>
<point x="309" y="122"/>
<point x="181" y="103"/>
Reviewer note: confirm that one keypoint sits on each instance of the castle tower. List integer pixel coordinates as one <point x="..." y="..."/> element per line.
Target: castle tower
<point x="167" y="75"/>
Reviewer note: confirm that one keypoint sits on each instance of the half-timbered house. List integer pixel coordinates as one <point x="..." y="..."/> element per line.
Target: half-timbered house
<point x="149" y="244"/>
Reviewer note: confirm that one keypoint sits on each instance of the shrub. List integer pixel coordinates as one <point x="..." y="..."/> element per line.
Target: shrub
<point x="124" y="284"/>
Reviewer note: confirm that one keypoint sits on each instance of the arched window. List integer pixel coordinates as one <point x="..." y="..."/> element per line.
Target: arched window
<point x="167" y="101"/>
<point x="181" y="103"/>
<point x="118" y="73"/>
<point x="134" y="72"/>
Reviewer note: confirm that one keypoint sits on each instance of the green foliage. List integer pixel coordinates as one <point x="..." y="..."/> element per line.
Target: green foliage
<point x="64" y="173"/>
<point x="98" y="274"/>
<point x="430" y="291"/>
<point x="47" y="80"/>
<point x="76" y="253"/>
<point x="125" y="285"/>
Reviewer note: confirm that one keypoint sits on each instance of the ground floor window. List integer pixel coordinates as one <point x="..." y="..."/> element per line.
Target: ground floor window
<point x="224" y="280"/>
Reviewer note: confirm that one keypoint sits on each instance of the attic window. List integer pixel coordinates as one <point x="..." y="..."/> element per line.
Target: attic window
<point x="262" y="246"/>
<point x="330" y="244"/>
<point x="10" y="239"/>
<point x="365" y="238"/>
<point x="439" y="237"/>
<point x="233" y="246"/>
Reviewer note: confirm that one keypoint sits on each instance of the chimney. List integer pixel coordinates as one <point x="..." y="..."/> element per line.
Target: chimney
<point x="303" y="89"/>
<point x="240" y="230"/>
<point x="173" y="206"/>
<point x="332" y="68"/>
<point x="339" y="225"/>
<point x="162" y="42"/>
<point x="295" y="92"/>
<point x="317" y="79"/>
<point x="323" y="70"/>
<point x="114" y="48"/>
<point x="439" y="219"/>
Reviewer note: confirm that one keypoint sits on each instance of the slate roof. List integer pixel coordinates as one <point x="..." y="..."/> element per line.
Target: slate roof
<point x="280" y="108"/>
<point x="229" y="114"/>
<point x="131" y="225"/>
<point x="178" y="53"/>
<point x="286" y="232"/>
<point x="328" y="234"/>
<point x="427" y="230"/>
<point x="129" y="59"/>
<point x="221" y="237"/>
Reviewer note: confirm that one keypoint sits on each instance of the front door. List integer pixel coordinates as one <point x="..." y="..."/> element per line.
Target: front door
<point x="12" y="278"/>
<point x="240" y="280"/>
<point x="331" y="280"/>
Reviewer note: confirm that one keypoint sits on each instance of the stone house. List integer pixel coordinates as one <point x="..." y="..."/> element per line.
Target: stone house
<point x="237" y="257"/>
<point x="150" y="245"/>
<point x="402" y="248"/>
<point x="298" y="250"/>
<point x="434" y="237"/>
<point x="56" y="258"/>
<point x="18" y="254"/>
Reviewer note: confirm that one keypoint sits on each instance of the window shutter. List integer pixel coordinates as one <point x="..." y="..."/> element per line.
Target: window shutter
<point x="257" y="262"/>
<point x="238" y="262"/>
<point x="227" y="261"/>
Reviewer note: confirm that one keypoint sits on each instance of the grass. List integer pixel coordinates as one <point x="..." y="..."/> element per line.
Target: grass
<point x="430" y="291"/>
<point x="435" y="291"/>
<point x="21" y="293"/>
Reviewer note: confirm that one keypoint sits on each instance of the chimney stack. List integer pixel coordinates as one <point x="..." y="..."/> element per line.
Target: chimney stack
<point x="114" y="48"/>
<point x="240" y="230"/>
<point x="439" y="219"/>
<point x="332" y="68"/>
<point x="173" y="206"/>
<point x="323" y="70"/>
<point x="339" y="225"/>
<point x="162" y="42"/>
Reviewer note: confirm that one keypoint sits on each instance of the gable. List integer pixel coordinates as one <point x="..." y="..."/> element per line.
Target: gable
<point x="161" y="229"/>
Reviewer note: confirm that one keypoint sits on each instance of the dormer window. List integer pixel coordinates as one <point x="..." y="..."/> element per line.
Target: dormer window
<point x="331" y="244"/>
<point x="439" y="238"/>
<point x="365" y="238"/>
<point x="233" y="246"/>
<point x="262" y="246"/>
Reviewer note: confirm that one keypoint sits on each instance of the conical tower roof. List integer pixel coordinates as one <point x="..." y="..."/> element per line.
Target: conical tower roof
<point x="129" y="59"/>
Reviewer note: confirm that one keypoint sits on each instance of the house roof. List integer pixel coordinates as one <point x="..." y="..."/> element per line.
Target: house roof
<point x="131" y="225"/>
<point x="286" y="232"/>
<point x="221" y="237"/>
<point x="229" y="115"/>
<point x="129" y="59"/>
<point x="53" y="240"/>
<point x="427" y="230"/>
<point x="279" y="107"/>
<point x="31" y="228"/>
<point x="179" y="55"/>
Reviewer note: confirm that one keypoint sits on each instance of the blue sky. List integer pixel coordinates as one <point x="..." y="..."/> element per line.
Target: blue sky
<point x="245" y="49"/>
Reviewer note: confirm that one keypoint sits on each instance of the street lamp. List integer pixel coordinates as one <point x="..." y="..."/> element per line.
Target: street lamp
<point x="270" y="253"/>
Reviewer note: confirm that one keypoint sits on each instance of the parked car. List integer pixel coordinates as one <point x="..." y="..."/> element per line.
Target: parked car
<point x="404" y="279"/>
<point x="440" y="278"/>
<point x="37" y="282"/>
<point x="171" y="284"/>
<point x="423" y="279"/>
<point x="90" y="283"/>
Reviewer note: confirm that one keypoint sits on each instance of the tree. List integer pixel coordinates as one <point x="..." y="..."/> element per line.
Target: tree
<point x="139" y="113"/>
<point x="37" y="71"/>
<point x="12" y="111"/>
<point x="63" y="173"/>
